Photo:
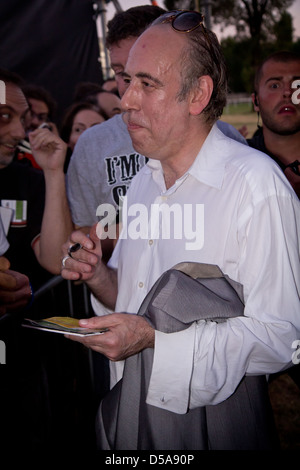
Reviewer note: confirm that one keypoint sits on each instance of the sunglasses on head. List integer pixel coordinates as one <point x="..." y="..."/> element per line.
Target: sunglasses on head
<point x="183" y="21"/>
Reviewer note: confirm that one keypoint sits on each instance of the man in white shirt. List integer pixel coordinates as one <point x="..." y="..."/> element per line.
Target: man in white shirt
<point x="233" y="208"/>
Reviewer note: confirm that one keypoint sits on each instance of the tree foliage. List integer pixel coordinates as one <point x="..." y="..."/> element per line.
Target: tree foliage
<point x="254" y="18"/>
<point x="242" y="57"/>
<point x="262" y="27"/>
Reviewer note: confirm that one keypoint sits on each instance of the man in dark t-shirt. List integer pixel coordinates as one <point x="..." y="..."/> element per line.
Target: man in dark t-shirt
<point x="24" y="410"/>
<point x="279" y="136"/>
<point x="22" y="190"/>
<point x="40" y="369"/>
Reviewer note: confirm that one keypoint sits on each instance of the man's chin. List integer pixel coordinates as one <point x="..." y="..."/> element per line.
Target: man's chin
<point x="137" y="144"/>
<point x="5" y="160"/>
<point x="284" y="130"/>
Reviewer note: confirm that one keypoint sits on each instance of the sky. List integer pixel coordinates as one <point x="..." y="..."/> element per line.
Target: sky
<point x="125" y="4"/>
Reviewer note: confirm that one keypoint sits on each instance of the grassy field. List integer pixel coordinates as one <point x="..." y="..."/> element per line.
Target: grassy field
<point x="284" y="393"/>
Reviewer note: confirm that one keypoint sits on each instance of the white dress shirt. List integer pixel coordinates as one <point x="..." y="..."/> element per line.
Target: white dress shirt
<point x="245" y="219"/>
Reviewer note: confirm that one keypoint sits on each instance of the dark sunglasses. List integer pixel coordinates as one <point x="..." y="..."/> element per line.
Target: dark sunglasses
<point x="183" y="21"/>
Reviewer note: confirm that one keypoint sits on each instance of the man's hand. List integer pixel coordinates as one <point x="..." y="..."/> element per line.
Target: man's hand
<point x="127" y="335"/>
<point x="15" y="290"/>
<point x="48" y="149"/>
<point x="83" y="263"/>
<point x="86" y="264"/>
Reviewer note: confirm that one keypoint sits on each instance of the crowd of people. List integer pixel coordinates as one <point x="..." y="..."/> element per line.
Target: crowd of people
<point x="154" y="135"/>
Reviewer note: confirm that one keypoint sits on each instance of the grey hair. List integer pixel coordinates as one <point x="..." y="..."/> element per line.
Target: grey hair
<point x="203" y="56"/>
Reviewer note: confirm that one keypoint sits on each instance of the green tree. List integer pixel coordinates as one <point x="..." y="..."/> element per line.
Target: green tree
<point x="283" y="31"/>
<point x="262" y="27"/>
<point x="260" y="20"/>
<point x="239" y="63"/>
<point x="254" y="18"/>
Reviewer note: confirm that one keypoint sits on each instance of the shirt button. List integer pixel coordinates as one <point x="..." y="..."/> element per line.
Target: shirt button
<point x="150" y="242"/>
<point x="141" y="284"/>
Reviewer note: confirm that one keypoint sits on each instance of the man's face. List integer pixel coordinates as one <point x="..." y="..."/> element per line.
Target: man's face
<point x="156" y="120"/>
<point x="38" y="114"/>
<point x="109" y="103"/>
<point x="11" y="123"/>
<point x="278" y="113"/>
<point x="118" y="57"/>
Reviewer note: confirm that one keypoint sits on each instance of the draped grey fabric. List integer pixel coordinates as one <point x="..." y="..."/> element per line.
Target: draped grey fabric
<point x="183" y="295"/>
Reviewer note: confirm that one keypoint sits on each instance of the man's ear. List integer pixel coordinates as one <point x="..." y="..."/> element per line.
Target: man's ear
<point x="255" y="101"/>
<point x="201" y="95"/>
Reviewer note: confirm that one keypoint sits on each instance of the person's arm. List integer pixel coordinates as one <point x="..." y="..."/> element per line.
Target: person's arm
<point x="50" y="151"/>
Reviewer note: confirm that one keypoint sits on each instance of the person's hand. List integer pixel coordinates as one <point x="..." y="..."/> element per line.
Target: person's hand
<point x="127" y="334"/>
<point x="4" y="263"/>
<point x="48" y="149"/>
<point x="53" y="128"/>
<point x="243" y="131"/>
<point x="83" y="262"/>
<point x="294" y="180"/>
<point x="15" y="290"/>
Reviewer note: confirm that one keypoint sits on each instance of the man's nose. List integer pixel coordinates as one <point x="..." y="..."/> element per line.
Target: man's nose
<point x="287" y="90"/>
<point x="129" y="98"/>
<point x="124" y="100"/>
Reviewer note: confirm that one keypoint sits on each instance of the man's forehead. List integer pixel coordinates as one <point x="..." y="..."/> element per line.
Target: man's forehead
<point x="280" y="69"/>
<point x="15" y="98"/>
<point x="39" y="105"/>
<point x="119" y="51"/>
<point x="157" y="44"/>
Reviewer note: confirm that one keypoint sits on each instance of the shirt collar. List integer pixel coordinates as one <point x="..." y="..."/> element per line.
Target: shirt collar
<point x="209" y="166"/>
